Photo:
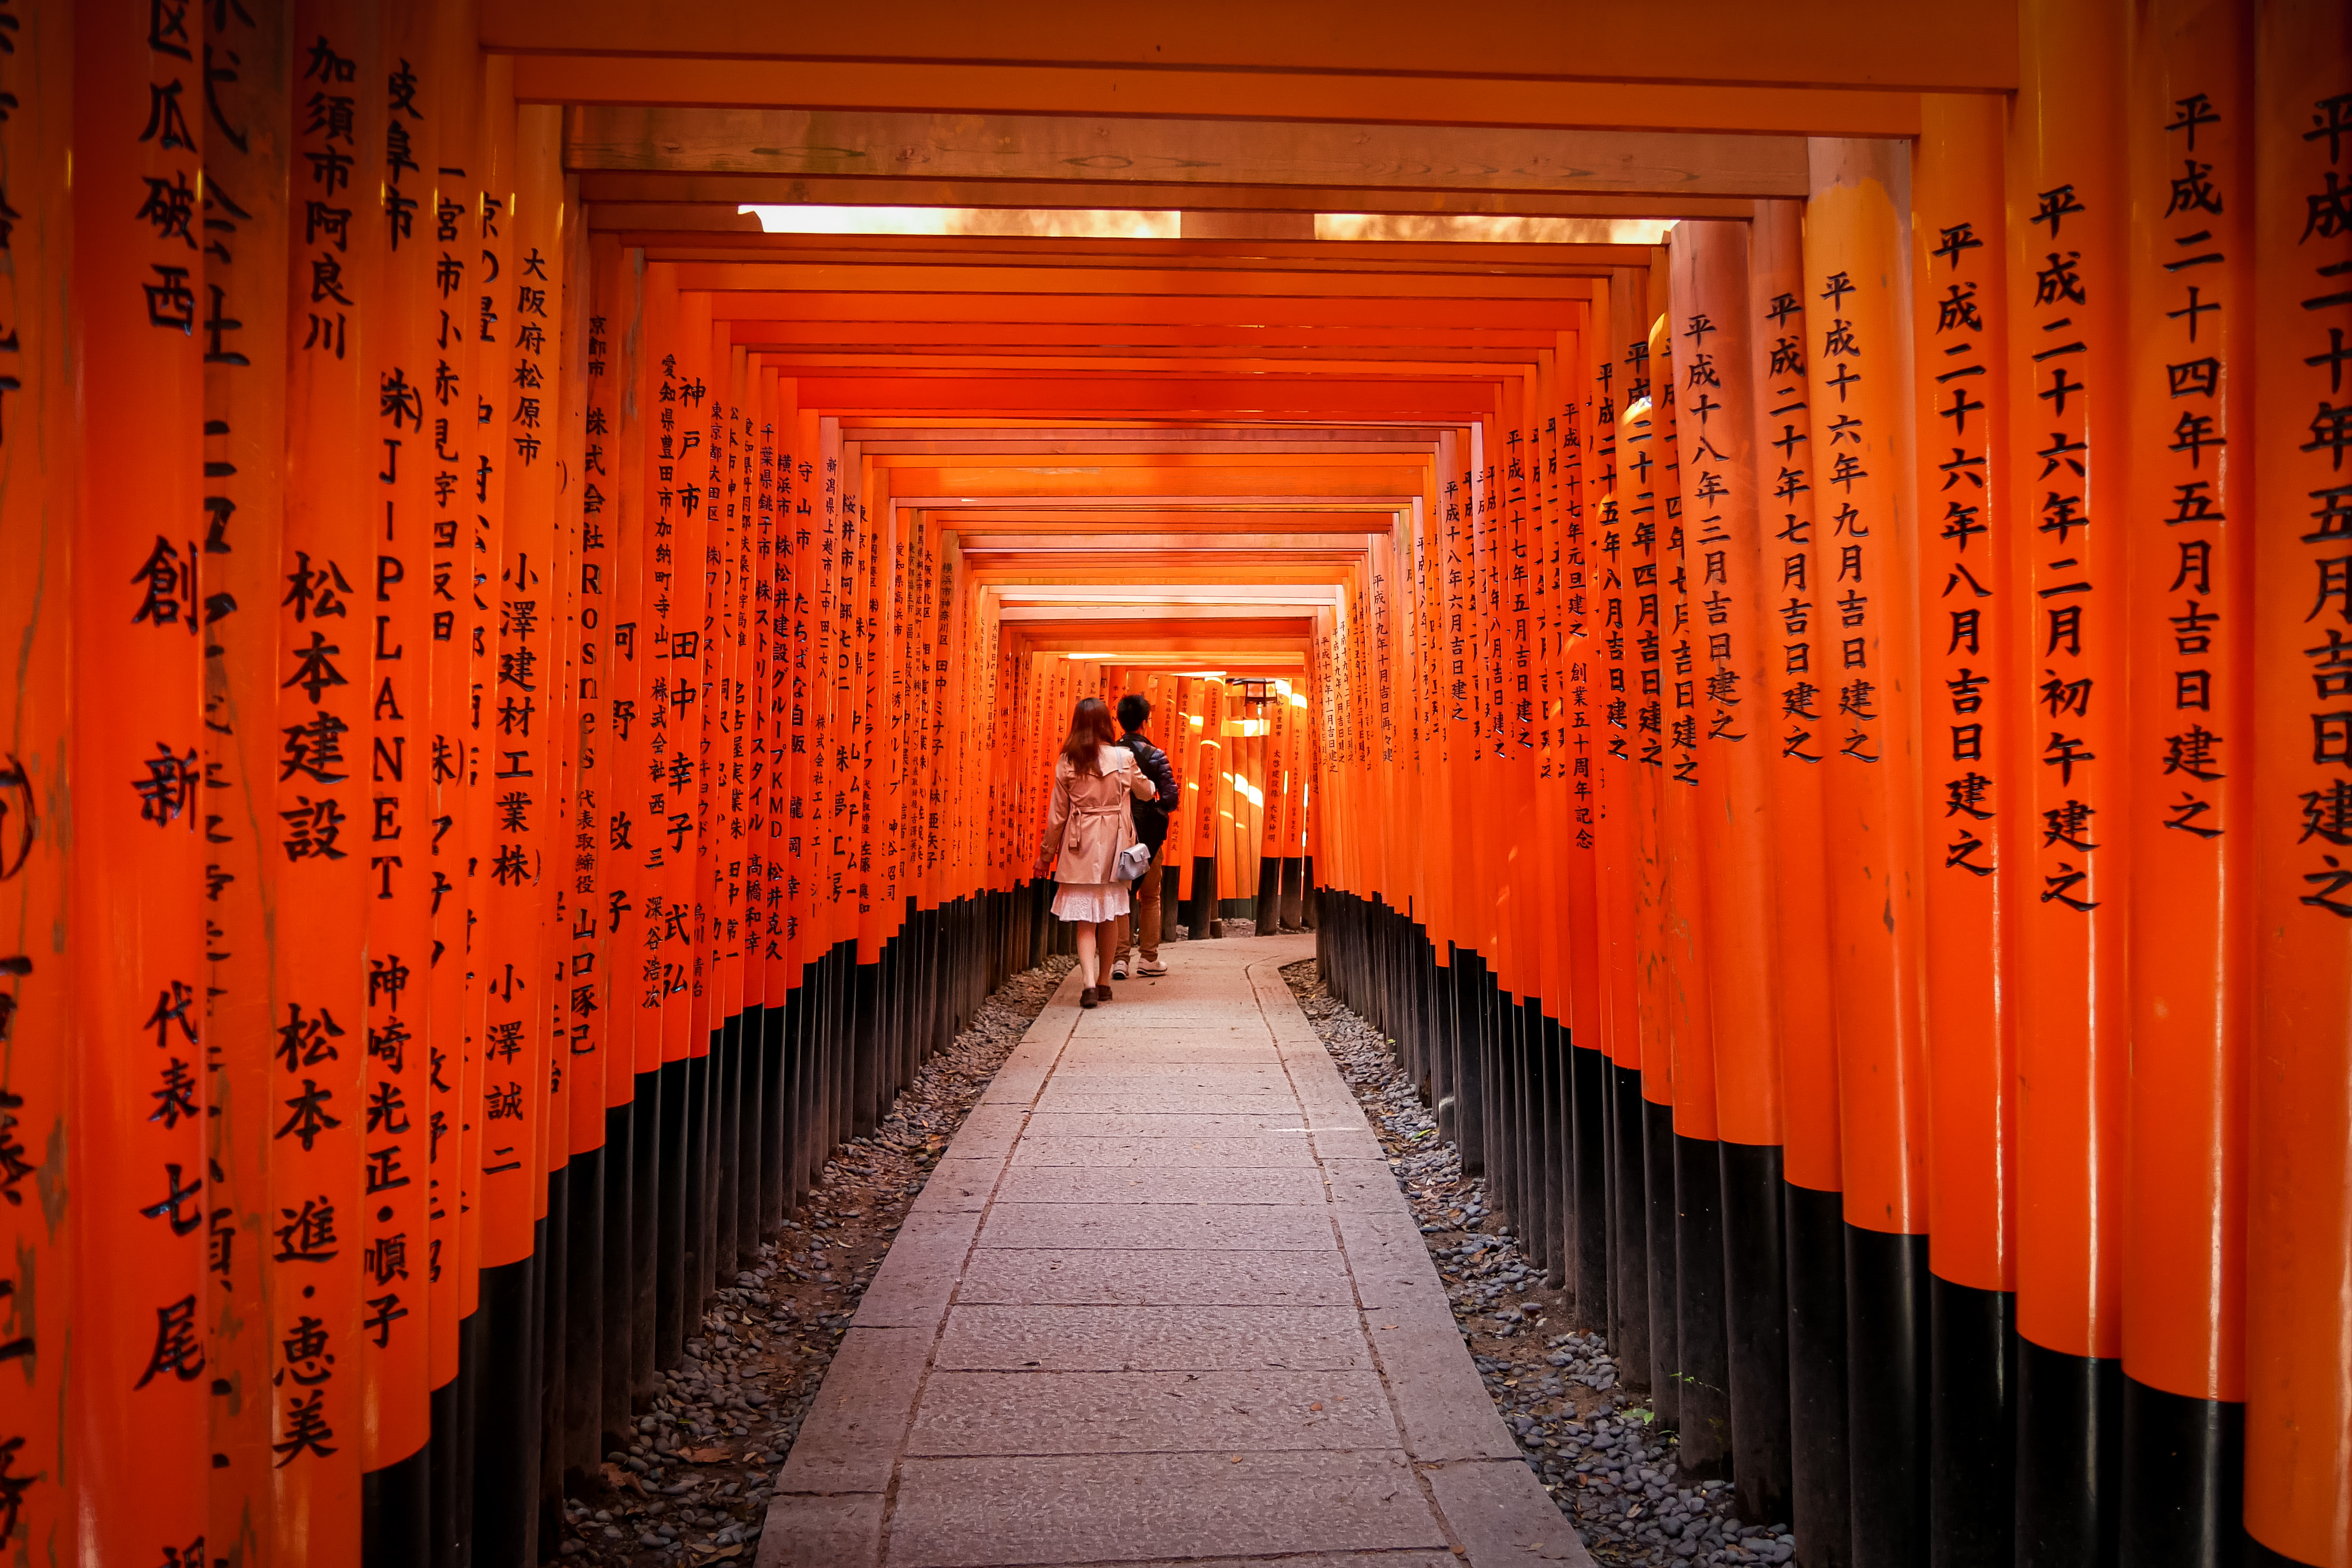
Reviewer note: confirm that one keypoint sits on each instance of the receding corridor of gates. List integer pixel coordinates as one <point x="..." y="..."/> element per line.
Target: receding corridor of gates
<point x="1767" y="590"/>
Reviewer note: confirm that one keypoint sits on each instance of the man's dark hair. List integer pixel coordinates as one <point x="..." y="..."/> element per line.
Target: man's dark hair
<point x="1134" y="712"/>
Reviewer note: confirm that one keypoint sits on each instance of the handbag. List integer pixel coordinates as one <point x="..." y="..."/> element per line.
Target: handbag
<point x="1132" y="862"/>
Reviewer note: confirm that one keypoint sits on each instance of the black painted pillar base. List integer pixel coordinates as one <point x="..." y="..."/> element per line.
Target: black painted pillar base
<point x="1886" y="1395"/>
<point x="646" y="1185"/>
<point x="1822" y="1487"/>
<point x="1201" y="909"/>
<point x="1629" y="1232"/>
<point x="1658" y="1203"/>
<point x="396" y="1514"/>
<point x="443" y="1473"/>
<point x="2183" y="1478"/>
<point x="2069" y="1459"/>
<point x="1702" y="1391"/>
<point x="1756" y="1328"/>
<point x="506" y="1416"/>
<point x="619" y="1328"/>
<point x="1971" y="1427"/>
<point x="1589" y="1185"/>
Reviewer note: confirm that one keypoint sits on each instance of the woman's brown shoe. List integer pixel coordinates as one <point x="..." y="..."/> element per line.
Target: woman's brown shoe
<point x="1087" y="997"/>
<point x="1102" y="992"/>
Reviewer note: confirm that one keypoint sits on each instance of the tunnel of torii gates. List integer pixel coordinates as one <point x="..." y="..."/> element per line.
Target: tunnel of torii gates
<point x="1826" y="737"/>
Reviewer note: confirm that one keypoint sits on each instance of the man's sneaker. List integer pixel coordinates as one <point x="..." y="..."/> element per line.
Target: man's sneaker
<point x="1148" y="968"/>
<point x="1118" y="970"/>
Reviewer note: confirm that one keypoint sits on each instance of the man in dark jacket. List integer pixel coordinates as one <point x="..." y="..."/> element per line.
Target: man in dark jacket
<point x="1151" y="819"/>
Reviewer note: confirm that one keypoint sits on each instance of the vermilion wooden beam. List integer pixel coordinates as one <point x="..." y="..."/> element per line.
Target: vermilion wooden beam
<point x="720" y="273"/>
<point x="1844" y="43"/>
<point x="731" y="190"/>
<point x="974" y="88"/>
<point x="1265" y="397"/>
<point x="747" y="299"/>
<point x="919" y="336"/>
<point x="738" y="234"/>
<point x="1187" y="153"/>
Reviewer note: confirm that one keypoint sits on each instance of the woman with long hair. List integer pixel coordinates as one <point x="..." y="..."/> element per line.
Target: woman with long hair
<point x="1089" y="825"/>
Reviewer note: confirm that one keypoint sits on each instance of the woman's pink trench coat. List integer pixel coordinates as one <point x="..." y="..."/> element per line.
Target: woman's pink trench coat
<point x="1088" y="819"/>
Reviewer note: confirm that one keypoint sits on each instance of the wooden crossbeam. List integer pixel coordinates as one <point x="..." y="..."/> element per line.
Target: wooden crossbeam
<point x="1183" y="152"/>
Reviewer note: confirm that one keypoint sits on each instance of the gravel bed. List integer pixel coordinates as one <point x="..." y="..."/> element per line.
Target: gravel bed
<point x="694" y="1486"/>
<point x="1591" y="1441"/>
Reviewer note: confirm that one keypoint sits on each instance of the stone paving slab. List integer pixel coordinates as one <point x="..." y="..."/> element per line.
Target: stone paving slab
<point x="1225" y="1412"/>
<point x="1161" y="1302"/>
<point x="1276" y="1122"/>
<point x="1241" y="1227"/>
<point x="1162" y="1153"/>
<point x="1170" y="1277"/>
<point x="1149" y="1338"/>
<point x="1124" y="1183"/>
<point x="969" y="1512"/>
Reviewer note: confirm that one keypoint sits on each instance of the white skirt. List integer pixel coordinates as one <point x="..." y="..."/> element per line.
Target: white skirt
<point x="1083" y="902"/>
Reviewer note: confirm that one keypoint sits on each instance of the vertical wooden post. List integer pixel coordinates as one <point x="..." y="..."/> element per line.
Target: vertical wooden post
<point x="509" y="812"/>
<point x="2067" y="282"/>
<point x="1580" y="742"/>
<point x="41" y="462"/>
<point x="135" y="1402"/>
<point x="2189" y="525"/>
<point x="2298" y="1414"/>
<point x="244" y="337"/>
<point x="452" y="1035"/>
<point x="1857" y="278"/>
<point x="1971" y="704"/>
<point x="600" y="1017"/>
<point x="320" y="1168"/>
<point x="1619" y="810"/>
<point x="1716" y="386"/>
<point x="394" y="1262"/>
<point x="1812" y="1201"/>
<point x="1649" y="473"/>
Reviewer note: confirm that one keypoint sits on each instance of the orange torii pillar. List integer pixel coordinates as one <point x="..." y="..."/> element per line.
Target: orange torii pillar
<point x="2068" y="462"/>
<point x="320" y="1166"/>
<point x="1576" y="741"/>
<point x="39" y="467"/>
<point x="1857" y="288"/>
<point x="1812" y="1161"/>
<point x="1613" y="581"/>
<point x="1650" y="475"/>
<point x="2299" y="1212"/>
<point x="2189" y="525"/>
<point x="450" y="846"/>
<point x="1970" y="702"/>
<point x="1702" y="1404"/>
<point x="245" y="352"/>
<point x="395" y="1260"/>
<point x="1730" y="597"/>
<point x="1205" y="780"/>
<point x="131" y="1113"/>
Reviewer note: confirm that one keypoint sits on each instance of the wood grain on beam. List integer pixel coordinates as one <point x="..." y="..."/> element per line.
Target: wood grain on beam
<point x="1869" y="44"/>
<point x="1184" y="152"/>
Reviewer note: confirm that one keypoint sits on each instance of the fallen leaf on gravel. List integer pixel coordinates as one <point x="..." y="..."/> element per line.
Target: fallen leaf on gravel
<point x="707" y="1455"/>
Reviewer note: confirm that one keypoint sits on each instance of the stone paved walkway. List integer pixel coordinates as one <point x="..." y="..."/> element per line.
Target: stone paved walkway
<point x="1161" y="1302"/>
